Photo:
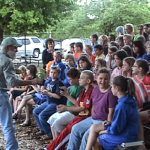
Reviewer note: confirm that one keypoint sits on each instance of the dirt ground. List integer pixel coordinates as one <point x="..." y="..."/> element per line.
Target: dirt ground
<point x="27" y="138"/>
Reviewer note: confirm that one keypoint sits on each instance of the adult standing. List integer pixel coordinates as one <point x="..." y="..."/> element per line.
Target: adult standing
<point x="47" y="54"/>
<point x="94" y="41"/>
<point x="8" y="79"/>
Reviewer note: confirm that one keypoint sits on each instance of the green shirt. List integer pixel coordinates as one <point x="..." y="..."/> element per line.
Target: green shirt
<point x="74" y="92"/>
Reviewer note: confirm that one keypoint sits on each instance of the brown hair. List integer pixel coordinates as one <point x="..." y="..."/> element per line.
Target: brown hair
<point x="102" y="62"/>
<point x="130" y="61"/>
<point x="73" y="73"/>
<point x="104" y="70"/>
<point x="125" y="85"/>
<point x="143" y="64"/>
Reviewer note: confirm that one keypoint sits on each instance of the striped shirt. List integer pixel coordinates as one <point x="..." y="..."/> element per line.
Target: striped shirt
<point x="141" y="92"/>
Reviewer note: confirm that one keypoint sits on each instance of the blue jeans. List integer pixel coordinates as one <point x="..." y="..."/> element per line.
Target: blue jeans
<point x="79" y="134"/>
<point x="6" y="122"/>
<point x="42" y="114"/>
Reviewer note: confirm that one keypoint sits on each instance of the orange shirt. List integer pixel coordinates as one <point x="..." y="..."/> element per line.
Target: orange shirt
<point x="77" y="55"/>
<point x="92" y="59"/>
<point x="48" y="66"/>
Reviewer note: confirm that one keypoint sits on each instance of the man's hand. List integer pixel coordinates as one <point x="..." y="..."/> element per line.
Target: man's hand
<point x="61" y="108"/>
<point x="11" y="89"/>
<point x="37" y="81"/>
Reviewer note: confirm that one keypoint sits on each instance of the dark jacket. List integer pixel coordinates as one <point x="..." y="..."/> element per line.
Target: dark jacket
<point x="46" y="57"/>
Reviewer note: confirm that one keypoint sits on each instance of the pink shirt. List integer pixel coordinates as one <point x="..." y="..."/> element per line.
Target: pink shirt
<point x="116" y="72"/>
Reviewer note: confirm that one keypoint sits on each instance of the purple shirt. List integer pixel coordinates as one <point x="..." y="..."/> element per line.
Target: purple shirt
<point x="101" y="102"/>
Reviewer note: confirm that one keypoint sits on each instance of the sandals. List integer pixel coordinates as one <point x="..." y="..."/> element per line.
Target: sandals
<point x="15" y="116"/>
<point x="40" y="133"/>
<point x="26" y="124"/>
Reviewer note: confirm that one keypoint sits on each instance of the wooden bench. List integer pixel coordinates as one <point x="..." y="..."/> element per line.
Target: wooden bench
<point x="130" y="145"/>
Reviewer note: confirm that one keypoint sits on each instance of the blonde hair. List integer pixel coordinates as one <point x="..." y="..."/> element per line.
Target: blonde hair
<point x="22" y="68"/>
<point x="90" y="75"/>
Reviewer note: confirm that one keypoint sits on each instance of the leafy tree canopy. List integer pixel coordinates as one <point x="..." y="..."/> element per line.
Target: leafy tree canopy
<point x="28" y="16"/>
<point x="101" y="17"/>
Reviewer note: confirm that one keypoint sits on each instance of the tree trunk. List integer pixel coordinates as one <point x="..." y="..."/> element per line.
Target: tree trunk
<point x="1" y="34"/>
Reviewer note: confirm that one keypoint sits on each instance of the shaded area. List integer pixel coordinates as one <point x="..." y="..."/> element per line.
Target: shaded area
<point x="27" y="138"/>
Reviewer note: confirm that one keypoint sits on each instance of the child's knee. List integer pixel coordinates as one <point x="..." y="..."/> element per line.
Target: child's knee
<point x="75" y="129"/>
<point x="34" y="112"/>
<point x="92" y="128"/>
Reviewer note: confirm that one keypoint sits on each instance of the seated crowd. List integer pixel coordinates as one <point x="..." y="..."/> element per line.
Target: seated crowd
<point x="92" y="98"/>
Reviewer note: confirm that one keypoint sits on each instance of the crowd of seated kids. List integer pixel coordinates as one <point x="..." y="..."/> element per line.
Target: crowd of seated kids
<point x="93" y="98"/>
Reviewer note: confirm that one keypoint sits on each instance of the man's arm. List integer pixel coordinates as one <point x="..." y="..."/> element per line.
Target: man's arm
<point x="10" y="77"/>
<point x="75" y="109"/>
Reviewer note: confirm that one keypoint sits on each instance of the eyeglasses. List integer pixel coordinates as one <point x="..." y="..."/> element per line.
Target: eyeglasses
<point x="13" y="48"/>
<point x="134" y="66"/>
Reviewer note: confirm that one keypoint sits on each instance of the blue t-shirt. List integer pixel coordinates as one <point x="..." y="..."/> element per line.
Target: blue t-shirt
<point x="54" y="87"/>
<point x="144" y="56"/>
<point x="62" y="67"/>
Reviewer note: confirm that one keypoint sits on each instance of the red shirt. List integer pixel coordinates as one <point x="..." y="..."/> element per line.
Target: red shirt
<point x="85" y="101"/>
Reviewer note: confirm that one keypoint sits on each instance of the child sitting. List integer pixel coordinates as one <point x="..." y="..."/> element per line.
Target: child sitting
<point x="84" y="63"/>
<point x="89" y="50"/>
<point x="128" y="63"/>
<point x="57" y="62"/>
<point x="70" y="63"/>
<point x="99" y="63"/>
<point x="31" y="72"/>
<point x="109" y="57"/>
<point x="139" y="71"/>
<point x="118" y="57"/>
<point x="125" y="125"/>
<point x="53" y="98"/>
<point x="59" y="121"/>
<point x="99" y="52"/>
<point x="103" y="104"/>
<point x="142" y="72"/>
<point x="83" y="109"/>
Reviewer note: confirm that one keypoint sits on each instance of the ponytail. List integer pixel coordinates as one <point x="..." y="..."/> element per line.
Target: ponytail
<point x="125" y="85"/>
<point x="130" y="87"/>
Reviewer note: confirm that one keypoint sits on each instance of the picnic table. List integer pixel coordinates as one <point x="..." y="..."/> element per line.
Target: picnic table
<point x="24" y="60"/>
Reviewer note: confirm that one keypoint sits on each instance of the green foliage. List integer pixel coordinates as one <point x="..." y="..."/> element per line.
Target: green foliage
<point x="105" y="16"/>
<point x="29" y="16"/>
<point x="65" y="19"/>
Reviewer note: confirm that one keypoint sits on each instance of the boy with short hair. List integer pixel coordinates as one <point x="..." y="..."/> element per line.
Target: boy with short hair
<point x="46" y="109"/>
<point x="57" y="62"/>
<point x="103" y="104"/>
<point x="83" y="109"/>
<point x="78" y="50"/>
<point x="59" y="120"/>
<point x="99" y="52"/>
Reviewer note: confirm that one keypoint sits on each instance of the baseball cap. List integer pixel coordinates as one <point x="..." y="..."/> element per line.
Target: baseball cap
<point x="139" y="38"/>
<point x="10" y="41"/>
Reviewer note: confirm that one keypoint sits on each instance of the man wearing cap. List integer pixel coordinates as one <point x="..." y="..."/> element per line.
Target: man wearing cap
<point x="8" y="79"/>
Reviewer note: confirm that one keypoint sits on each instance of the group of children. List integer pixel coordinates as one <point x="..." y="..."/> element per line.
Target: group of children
<point x="88" y="95"/>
